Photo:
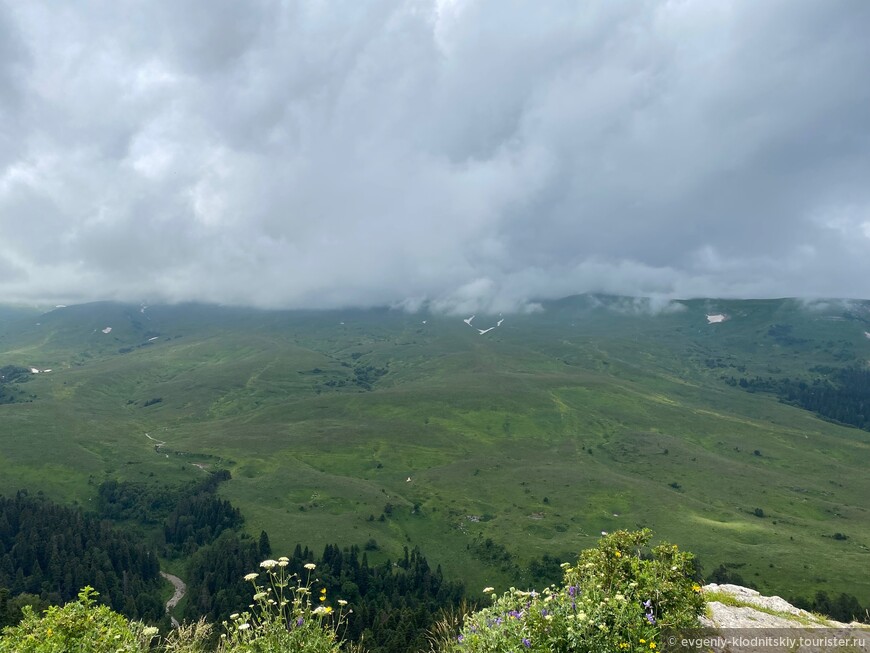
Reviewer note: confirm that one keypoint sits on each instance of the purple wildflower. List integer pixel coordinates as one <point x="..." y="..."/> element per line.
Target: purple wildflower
<point x="544" y="612"/>
<point x="647" y="604"/>
<point x="651" y="618"/>
<point x="300" y="621"/>
<point x="460" y="638"/>
<point x="572" y="591"/>
<point x="526" y="642"/>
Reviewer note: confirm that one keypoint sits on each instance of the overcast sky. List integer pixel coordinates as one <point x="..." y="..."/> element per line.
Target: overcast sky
<point x="472" y="153"/>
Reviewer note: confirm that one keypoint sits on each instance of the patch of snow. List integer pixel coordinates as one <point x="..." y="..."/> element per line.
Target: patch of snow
<point x="867" y="334"/>
<point x="468" y="320"/>
<point x="424" y="321"/>
<point x="33" y="370"/>
<point x="107" y="330"/>
<point x="154" y="338"/>
<point x="46" y="371"/>
<point x="715" y="319"/>
<point x="61" y="306"/>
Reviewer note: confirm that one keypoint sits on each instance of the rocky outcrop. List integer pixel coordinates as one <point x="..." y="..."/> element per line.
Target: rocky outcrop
<point x="749" y="621"/>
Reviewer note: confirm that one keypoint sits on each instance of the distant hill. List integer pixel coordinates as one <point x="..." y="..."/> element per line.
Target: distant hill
<point x="486" y="450"/>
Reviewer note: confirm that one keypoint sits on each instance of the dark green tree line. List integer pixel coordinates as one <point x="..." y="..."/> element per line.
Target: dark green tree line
<point x="393" y="603"/>
<point x="50" y="552"/>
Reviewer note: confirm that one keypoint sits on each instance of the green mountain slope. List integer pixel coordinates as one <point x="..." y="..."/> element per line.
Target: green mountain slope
<point x="592" y="414"/>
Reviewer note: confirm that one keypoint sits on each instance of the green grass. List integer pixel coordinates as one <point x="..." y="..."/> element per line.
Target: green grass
<point x="595" y="410"/>
<point x="806" y="619"/>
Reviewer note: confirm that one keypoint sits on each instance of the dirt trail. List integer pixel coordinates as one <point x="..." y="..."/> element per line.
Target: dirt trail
<point x="159" y="444"/>
<point x="180" y="589"/>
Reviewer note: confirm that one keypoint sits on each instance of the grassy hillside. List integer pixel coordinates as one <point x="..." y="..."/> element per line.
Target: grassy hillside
<point x="593" y="414"/>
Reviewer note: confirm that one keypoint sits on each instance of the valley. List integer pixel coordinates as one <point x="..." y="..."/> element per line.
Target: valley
<point x="486" y="448"/>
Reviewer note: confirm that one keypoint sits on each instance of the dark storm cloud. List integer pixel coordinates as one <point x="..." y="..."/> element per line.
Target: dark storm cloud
<point x="477" y="154"/>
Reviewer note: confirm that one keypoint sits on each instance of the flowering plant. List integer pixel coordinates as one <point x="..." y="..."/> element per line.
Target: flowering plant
<point x="619" y="596"/>
<point x="284" y="615"/>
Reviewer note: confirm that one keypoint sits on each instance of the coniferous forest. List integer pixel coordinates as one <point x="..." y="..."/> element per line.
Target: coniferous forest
<point x="49" y="552"/>
<point x="393" y="603"/>
<point x="841" y="395"/>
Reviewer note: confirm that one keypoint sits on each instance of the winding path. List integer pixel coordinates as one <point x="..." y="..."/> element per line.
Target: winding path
<point x="180" y="589"/>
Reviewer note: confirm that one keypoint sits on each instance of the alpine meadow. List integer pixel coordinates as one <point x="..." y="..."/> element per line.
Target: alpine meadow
<point x="498" y="455"/>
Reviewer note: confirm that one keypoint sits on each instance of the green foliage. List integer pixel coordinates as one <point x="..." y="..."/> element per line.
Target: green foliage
<point x="191" y="514"/>
<point x="11" y="374"/>
<point x="81" y="626"/>
<point x="844" y="607"/>
<point x="12" y="607"/>
<point x="617" y="597"/>
<point x="393" y="604"/>
<point x="842" y="395"/>
<point x="52" y="551"/>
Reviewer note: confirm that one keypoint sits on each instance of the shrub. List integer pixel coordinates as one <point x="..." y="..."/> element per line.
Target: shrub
<point x="80" y="626"/>
<point x="619" y="596"/>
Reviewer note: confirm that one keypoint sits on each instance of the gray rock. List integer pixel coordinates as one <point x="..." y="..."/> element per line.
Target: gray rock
<point x="741" y="611"/>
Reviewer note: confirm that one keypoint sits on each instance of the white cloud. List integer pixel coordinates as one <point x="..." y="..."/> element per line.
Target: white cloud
<point x="475" y="154"/>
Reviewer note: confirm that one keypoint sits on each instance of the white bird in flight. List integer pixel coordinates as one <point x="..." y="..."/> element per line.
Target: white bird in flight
<point x="482" y="331"/>
<point x="468" y="320"/>
<point x="499" y="322"/>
